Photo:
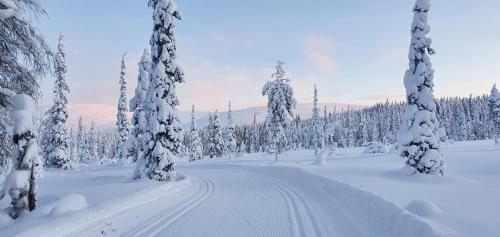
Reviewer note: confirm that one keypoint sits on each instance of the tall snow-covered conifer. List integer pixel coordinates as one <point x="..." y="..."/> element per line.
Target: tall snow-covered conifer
<point x="230" y="141"/>
<point x="122" y="153"/>
<point x="494" y="105"/>
<point x="58" y="140"/>
<point x="163" y="134"/>
<point x="195" y="145"/>
<point x="419" y="138"/>
<point x="317" y="125"/>
<point x="138" y="105"/>
<point x="216" y="137"/>
<point x="280" y="109"/>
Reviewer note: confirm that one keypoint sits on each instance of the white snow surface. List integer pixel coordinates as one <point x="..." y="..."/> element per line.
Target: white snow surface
<point x="350" y="195"/>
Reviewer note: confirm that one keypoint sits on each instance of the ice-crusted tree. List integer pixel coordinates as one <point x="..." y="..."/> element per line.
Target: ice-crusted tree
<point x="122" y="153"/>
<point x="216" y="137"/>
<point x="80" y="140"/>
<point x="58" y="140"/>
<point x="280" y="109"/>
<point x="317" y="126"/>
<point x="138" y="105"/>
<point x="419" y="137"/>
<point x="230" y="139"/>
<point x="163" y="134"/>
<point x="494" y="109"/>
<point x="93" y="142"/>
<point x="254" y="136"/>
<point x="21" y="183"/>
<point x="195" y="144"/>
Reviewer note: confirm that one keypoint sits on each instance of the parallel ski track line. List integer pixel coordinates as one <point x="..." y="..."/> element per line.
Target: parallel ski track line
<point x="295" y="203"/>
<point x="177" y="211"/>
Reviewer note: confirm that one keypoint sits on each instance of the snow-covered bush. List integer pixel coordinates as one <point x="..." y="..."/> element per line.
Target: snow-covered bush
<point x="374" y="148"/>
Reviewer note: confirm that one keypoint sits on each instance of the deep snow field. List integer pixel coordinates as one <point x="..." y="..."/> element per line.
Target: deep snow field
<point x="354" y="194"/>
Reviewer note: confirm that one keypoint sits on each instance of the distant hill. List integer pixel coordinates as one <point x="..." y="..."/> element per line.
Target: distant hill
<point x="105" y="115"/>
<point x="245" y="116"/>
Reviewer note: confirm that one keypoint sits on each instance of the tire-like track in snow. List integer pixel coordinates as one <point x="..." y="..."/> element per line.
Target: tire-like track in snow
<point x="205" y="189"/>
<point x="239" y="201"/>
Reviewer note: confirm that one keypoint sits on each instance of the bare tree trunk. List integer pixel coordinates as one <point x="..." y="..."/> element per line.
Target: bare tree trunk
<point x="276" y="151"/>
<point x="32" y="188"/>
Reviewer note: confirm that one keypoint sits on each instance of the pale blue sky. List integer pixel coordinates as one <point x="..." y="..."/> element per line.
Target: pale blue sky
<point x="354" y="50"/>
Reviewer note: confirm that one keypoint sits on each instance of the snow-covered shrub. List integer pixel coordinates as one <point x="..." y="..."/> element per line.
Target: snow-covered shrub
<point x="374" y="148"/>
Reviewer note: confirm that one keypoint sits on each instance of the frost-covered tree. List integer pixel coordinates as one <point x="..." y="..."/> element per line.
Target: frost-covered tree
<point x="21" y="183"/>
<point x="419" y="138"/>
<point x="280" y="109"/>
<point x="57" y="137"/>
<point x="163" y="134"/>
<point x="122" y="153"/>
<point x="494" y="109"/>
<point x="317" y="126"/>
<point x="80" y="141"/>
<point x="24" y="59"/>
<point x="215" y="137"/>
<point x="93" y="142"/>
<point x="230" y="139"/>
<point x="195" y="145"/>
<point x="138" y="105"/>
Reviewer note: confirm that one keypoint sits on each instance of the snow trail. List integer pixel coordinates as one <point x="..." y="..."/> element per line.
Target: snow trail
<point x="205" y="189"/>
<point x="237" y="200"/>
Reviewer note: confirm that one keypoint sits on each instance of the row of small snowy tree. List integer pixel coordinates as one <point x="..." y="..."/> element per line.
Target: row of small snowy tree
<point x="462" y="118"/>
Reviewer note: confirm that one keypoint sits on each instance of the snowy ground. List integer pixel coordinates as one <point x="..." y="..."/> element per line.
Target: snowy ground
<point x="353" y="195"/>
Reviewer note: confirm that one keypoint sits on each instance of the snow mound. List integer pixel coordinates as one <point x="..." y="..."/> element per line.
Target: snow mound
<point x="68" y="203"/>
<point x="375" y="148"/>
<point x="424" y="208"/>
<point x="5" y="219"/>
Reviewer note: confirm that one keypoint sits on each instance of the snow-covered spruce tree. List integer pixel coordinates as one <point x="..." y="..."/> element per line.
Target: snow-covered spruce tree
<point x="138" y="105"/>
<point x="93" y="143"/>
<point x="57" y="134"/>
<point x="24" y="58"/>
<point x="216" y="137"/>
<point x="494" y="109"/>
<point x="419" y="138"/>
<point x="21" y="184"/>
<point x="317" y="126"/>
<point x="163" y="134"/>
<point x="195" y="145"/>
<point x="80" y="141"/>
<point x="230" y="139"/>
<point x="122" y="153"/>
<point x="280" y="109"/>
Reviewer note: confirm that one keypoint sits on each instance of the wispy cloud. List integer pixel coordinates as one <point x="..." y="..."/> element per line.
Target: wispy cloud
<point x="320" y="52"/>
